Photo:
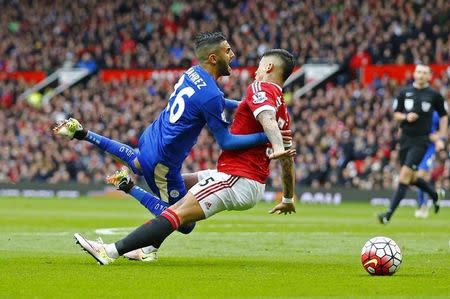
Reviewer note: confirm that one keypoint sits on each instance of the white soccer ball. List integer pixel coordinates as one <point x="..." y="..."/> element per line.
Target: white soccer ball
<point x="381" y="256"/>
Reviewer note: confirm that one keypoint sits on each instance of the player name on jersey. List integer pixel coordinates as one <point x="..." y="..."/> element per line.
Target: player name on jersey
<point x="195" y="78"/>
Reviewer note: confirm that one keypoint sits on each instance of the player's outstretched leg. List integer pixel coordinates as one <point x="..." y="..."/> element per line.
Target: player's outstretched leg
<point x="152" y="233"/>
<point x="72" y="129"/>
<point x="121" y="179"/>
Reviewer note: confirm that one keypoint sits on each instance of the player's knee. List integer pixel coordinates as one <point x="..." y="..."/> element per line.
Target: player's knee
<point x="186" y="228"/>
<point x="421" y="174"/>
<point x="406" y="175"/>
<point x="188" y="216"/>
<point x="405" y="180"/>
<point x="189" y="210"/>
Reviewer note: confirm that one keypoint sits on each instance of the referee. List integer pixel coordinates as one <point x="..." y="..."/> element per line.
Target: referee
<point x="414" y="108"/>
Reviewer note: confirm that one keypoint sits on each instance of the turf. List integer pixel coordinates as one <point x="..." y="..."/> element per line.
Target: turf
<point x="250" y="254"/>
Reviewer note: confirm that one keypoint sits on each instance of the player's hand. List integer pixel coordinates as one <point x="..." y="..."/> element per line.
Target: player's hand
<point x="283" y="154"/>
<point x="434" y="137"/>
<point x="286" y="208"/>
<point x="440" y="145"/>
<point x="287" y="138"/>
<point x="286" y="134"/>
<point x="412" y="117"/>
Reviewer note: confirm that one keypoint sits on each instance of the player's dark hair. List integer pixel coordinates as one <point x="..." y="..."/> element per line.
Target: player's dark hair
<point x="205" y="42"/>
<point x="287" y="59"/>
<point x="208" y="38"/>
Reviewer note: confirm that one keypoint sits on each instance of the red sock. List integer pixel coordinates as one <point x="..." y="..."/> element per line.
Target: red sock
<point x="172" y="217"/>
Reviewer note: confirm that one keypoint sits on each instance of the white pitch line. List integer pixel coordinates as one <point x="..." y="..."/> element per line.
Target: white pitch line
<point x="114" y="231"/>
<point x="43" y="234"/>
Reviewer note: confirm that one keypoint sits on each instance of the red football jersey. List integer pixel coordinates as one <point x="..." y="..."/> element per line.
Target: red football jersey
<point x="253" y="163"/>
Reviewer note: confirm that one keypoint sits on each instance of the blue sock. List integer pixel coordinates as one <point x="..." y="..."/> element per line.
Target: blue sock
<point x="155" y="205"/>
<point x="421" y="198"/>
<point x="122" y="151"/>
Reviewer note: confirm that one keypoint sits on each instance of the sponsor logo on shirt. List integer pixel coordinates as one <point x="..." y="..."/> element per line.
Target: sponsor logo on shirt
<point x="259" y="97"/>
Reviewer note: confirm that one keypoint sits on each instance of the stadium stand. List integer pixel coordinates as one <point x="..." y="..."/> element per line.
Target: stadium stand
<point x="343" y="131"/>
<point x="345" y="134"/>
<point x="43" y="35"/>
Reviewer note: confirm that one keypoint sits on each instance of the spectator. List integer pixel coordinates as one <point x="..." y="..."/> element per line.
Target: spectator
<point x="347" y="140"/>
<point x="37" y="35"/>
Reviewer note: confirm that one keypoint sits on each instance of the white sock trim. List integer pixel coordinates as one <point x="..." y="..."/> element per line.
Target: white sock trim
<point x="111" y="251"/>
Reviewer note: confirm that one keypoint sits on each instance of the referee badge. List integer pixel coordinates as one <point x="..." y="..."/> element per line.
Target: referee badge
<point x="409" y="104"/>
<point x="426" y="106"/>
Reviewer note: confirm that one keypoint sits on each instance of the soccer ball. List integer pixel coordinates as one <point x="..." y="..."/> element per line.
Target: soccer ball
<point x="381" y="256"/>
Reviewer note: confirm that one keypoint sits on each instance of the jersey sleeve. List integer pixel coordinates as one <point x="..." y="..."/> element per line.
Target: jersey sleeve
<point x="435" y="122"/>
<point x="399" y="102"/>
<point x="213" y="112"/>
<point x="231" y="104"/>
<point x="260" y="99"/>
<point x="439" y="105"/>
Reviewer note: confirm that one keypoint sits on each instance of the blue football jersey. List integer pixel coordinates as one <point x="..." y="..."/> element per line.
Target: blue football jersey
<point x="428" y="158"/>
<point x="435" y="122"/>
<point x="195" y="101"/>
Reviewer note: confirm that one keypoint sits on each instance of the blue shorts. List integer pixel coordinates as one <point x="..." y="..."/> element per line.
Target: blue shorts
<point x="428" y="158"/>
<point x="165" y="182"/>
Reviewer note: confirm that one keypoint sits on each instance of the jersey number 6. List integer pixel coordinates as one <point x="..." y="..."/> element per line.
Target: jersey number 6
<point x="178" y="105"/>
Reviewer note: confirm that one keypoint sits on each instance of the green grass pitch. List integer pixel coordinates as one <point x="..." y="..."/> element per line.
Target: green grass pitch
<point x="248" y="254"/>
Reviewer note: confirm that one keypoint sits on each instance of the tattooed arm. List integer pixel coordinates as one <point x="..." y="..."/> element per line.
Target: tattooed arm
<point x="268" y="121"/>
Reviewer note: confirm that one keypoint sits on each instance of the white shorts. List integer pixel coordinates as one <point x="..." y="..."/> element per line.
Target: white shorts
<point x="218" y="191"/>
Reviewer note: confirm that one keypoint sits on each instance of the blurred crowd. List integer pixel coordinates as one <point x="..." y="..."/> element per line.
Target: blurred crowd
<point x="44" y="35"/>
<point x="344" y="135"/>
<point x="118" y="109"/>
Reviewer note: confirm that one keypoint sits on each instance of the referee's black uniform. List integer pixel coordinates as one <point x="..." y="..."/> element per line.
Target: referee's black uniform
<point x="414" y="139"/>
